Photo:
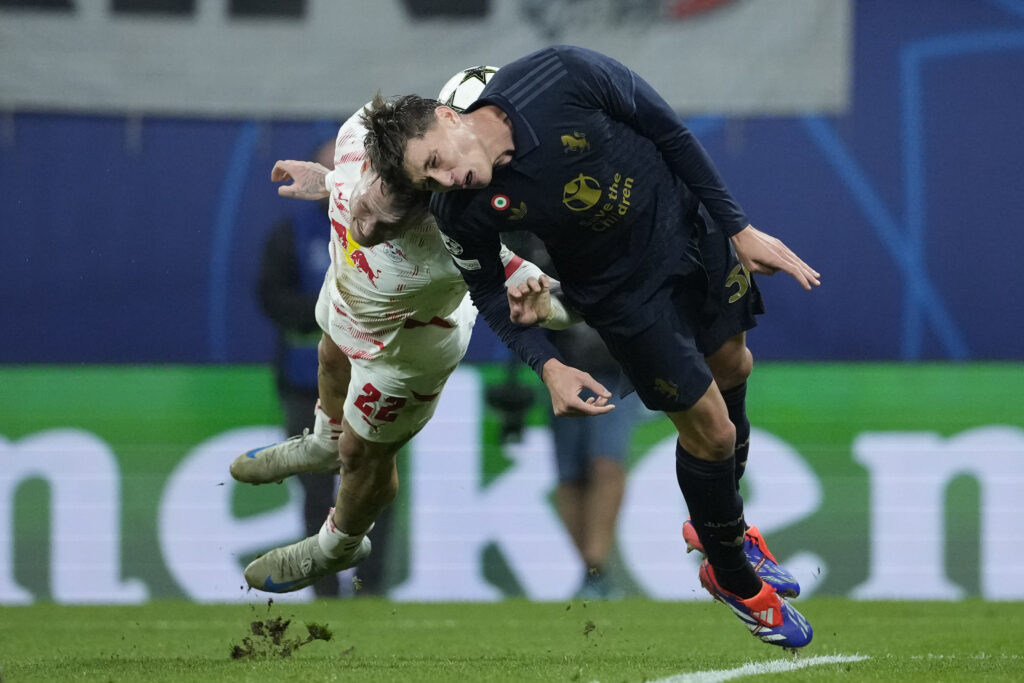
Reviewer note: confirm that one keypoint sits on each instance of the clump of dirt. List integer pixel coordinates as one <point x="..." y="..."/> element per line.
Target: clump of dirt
<point x="269" y="638"/>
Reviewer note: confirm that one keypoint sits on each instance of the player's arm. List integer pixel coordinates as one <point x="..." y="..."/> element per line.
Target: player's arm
<point x="308" y="179"/>
<point x="476" y="253"/>
<point x="627" y="97"/>
<point x="758" y="251"/>
<point x="533" y="297"/>
<point x="564" y="382"/>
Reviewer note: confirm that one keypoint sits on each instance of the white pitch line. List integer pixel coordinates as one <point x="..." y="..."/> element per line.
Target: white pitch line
<point x="754" y="668"/>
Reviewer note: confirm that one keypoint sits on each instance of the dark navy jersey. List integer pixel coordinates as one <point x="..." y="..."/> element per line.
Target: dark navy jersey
<point x="605" y="173"/>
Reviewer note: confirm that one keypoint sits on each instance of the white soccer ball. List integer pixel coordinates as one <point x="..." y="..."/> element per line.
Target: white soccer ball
<point x="465" y="87"/>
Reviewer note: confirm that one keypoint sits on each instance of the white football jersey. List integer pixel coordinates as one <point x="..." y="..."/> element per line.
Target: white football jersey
<point x="404" y="282"/>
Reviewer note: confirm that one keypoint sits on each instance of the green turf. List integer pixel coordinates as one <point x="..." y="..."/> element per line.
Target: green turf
<point x="375" y="640"/>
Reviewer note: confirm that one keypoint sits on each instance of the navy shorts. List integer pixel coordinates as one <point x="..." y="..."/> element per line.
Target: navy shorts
<point x="693" y="314"/>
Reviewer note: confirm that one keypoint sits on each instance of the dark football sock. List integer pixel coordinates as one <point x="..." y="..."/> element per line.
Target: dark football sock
<point x="716" y="511"/>
<point x="736" y="404"/>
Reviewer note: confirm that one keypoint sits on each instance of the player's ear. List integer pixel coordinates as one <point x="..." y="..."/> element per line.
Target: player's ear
<point x="446" y="114"/>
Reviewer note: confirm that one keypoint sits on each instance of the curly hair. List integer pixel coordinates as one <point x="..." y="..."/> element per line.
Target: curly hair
<point x="390" y="125"/>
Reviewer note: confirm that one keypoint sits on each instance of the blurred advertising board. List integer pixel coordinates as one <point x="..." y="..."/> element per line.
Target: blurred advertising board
<point x="870" y="481"/>
<point x="722" y="56"/>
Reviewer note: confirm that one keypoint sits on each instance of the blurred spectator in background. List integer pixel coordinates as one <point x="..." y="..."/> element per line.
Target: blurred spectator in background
<point x="590" y="454"/>
<point x="591" y="458"/>
<point x="295" y="257"/>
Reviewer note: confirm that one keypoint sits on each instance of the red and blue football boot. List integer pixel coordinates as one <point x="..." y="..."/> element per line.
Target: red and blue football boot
<point x="764" y="563"/>
<point x="766" y="615"/>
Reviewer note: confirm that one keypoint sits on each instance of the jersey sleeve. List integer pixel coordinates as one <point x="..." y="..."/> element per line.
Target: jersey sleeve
<point x="349" y="155"/>
<point x="625" y="96"/>
<point x="477" y="253"/>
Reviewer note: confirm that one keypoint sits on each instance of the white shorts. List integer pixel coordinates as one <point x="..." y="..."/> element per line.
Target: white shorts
<point x="394" y="394"/>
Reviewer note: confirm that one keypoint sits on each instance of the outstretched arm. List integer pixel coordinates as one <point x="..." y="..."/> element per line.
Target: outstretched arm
<point x="627" y="97"/>
<point x="761" y="253"/>
<point x="308" y="179"/>
<point x="565" y="383"/>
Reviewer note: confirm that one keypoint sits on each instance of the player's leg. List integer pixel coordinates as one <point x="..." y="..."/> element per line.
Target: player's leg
<point x="569" y="503"/>
<point x="668" y="369"/>
<point x="381" y="414"/>
<point x="704" y="470"/>
<point x="670" y="374"/>
<point x="305" y="452"/>
<point x="731" y="365"/>
<point x="333" y="376"/>
<point x="369" y="482"/>
<point x="729" y="307"/>
<point x="316" y="487"/>
<point x="704" y="467"/>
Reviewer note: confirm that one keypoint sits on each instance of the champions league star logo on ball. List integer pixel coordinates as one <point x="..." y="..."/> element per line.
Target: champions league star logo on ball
<point x="465" y="87"/>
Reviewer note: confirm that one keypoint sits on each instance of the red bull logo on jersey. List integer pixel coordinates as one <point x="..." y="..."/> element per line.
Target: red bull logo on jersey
<point x="354" y="255"/>
<point x="358" y="259"/>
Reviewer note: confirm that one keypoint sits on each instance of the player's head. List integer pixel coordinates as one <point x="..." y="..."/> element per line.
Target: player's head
<point x="380" y="212"/>
<point x="390" y="124"/>
<point x="421" y="144"/>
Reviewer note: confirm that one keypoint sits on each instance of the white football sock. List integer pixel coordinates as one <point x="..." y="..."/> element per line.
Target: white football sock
<point x="326" y="429"/>
<point x="334" y="542"/>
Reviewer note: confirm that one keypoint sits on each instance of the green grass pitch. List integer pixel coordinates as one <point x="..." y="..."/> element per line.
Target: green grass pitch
<point x="375" y="640"/>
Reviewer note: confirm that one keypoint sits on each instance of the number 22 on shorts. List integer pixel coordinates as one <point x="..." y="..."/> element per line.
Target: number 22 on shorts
<point x="376" y="406"/>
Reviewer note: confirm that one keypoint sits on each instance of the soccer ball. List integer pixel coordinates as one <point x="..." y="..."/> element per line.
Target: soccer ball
<point x="465" y="87"/>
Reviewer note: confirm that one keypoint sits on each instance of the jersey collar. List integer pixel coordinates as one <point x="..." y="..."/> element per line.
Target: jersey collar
<point x="524" y="137"/>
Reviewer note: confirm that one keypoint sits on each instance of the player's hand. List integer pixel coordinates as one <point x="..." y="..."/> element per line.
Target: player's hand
<point x="565" y="383"/>
<point x="307" y="179"/>
<point x="761" y="253"/>
<point x="530" y="302"/>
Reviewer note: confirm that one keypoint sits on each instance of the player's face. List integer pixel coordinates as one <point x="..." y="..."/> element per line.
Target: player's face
<point x="448" y="157"/>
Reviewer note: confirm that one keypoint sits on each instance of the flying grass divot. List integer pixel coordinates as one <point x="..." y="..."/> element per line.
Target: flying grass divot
<point x="269" y="638"/>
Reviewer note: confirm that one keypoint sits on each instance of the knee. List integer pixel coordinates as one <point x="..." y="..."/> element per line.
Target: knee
<point x="733" y="369"/>
<point x="606" y="469"/>
<point x="332" y="360"/>
<point x="721" y="441"/>
<point x="714" y="440"/>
